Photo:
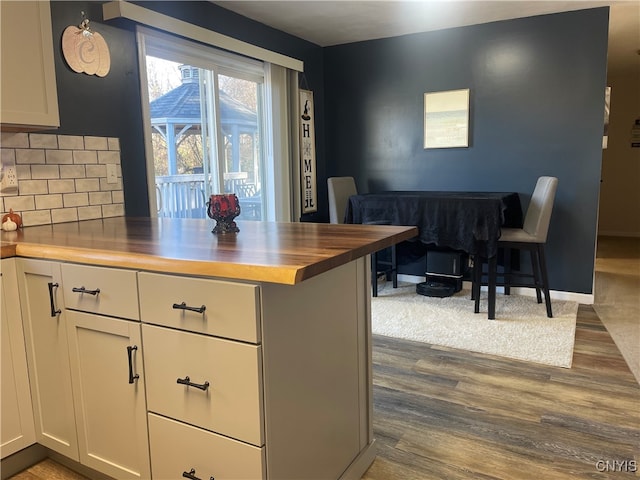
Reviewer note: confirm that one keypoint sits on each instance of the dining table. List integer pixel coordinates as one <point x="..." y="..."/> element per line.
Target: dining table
<point x="467" y="221"/>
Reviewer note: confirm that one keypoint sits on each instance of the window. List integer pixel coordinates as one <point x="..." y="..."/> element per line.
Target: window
<point x="210" y="129"/>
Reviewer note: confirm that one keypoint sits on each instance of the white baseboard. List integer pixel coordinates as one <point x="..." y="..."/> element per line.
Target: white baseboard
<point x="584" y="298"/>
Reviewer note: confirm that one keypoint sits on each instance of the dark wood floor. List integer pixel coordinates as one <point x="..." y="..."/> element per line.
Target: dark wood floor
<point x="448" y="414"/>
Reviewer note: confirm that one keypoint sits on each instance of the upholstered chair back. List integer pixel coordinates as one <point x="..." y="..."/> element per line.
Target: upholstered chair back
<point x="340" y="189"/>
<point x="538" y="217"/>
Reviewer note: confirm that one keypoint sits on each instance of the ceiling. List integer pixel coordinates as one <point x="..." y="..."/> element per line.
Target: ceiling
<point x="331" y="22"/>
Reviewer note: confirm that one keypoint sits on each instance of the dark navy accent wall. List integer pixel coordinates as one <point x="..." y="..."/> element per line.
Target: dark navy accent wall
<point x="111" y="106"/>
<point x="108" y="106"/>
<point x="536" y="108"/>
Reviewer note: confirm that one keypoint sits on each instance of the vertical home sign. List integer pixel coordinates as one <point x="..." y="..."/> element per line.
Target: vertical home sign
<point x="307" y="153"/>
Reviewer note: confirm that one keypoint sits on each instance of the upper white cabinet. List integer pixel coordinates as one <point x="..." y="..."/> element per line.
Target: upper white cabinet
<point x="29" y="99"/>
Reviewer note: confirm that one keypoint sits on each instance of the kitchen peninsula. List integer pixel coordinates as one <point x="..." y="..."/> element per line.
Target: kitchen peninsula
<point x="256" y="345"/>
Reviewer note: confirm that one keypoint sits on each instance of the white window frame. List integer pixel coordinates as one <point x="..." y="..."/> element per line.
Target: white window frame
<point x="280" y="187"/>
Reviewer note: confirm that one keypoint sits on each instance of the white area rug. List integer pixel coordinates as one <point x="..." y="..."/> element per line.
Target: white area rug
<point x="521" y="329"/>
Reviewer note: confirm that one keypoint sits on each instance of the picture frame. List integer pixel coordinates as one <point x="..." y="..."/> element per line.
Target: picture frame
<point x="446" y="119"/>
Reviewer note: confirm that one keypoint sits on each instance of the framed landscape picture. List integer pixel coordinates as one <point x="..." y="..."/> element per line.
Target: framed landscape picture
<point x="446" y="119"/>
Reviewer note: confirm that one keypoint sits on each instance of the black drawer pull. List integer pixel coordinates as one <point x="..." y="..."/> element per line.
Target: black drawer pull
<point x="187" y="381"/>
<point x="184" y="306"/>
<point x="192" y="475"/>
<point x="84" y="290"/>
<point x="54" y="311"/>
<point x="132" y="377"/>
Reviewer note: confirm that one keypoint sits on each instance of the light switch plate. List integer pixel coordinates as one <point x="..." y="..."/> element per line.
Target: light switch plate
<point x="112" y="173"/>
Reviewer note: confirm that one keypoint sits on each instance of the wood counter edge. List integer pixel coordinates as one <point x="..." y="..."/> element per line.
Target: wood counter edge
<point x="287" y="275"/>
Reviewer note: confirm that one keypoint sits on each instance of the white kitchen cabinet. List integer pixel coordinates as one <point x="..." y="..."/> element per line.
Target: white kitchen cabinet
<point x="28" y="98"/>
<point x="108" y="390"/>
<point x="84" y="406"/>
<point x="107" y="369"/>
<point x="181" y="450"/>
<point x="17" y="428"/>
<point x="292" y="400"/>
<point x="45" y="330"/>
<point x="228" y="373"/>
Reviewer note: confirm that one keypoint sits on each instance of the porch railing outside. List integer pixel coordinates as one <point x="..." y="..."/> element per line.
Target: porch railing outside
<point x="183" y="196"/>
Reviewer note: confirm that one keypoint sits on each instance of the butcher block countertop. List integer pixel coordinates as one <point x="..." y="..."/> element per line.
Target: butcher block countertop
<point x="286" y="253"/>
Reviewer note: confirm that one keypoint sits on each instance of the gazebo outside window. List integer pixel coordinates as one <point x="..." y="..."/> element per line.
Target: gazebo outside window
<point x="183" y="176"/>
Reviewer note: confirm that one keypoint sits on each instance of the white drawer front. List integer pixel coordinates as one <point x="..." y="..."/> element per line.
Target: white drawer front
<point x="177" y="448"/>
<point x="230" y="405"/>
<point x="118" y="296"/>
<point x="231" y="309"/>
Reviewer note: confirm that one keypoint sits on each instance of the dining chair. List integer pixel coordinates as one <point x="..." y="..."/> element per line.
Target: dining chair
<point x="340" y="189"/>
<point x="532" y="237"/>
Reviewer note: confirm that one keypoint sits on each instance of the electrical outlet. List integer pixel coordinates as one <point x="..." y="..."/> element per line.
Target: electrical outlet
<point x="112" y="173"/>
<point x="9" y="180"/>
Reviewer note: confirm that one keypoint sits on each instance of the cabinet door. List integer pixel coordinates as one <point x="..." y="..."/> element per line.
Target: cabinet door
<point x="108" y="391"/>
<point x="18" y="430"/>
<point x="28" y="91"/>
<point x="46" y="341"/>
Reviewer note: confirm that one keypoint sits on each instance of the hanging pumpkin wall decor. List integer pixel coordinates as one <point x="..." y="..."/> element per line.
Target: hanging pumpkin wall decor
<point x="84" y="50"/>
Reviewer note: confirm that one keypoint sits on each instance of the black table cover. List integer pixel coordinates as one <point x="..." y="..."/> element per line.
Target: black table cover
<point x="467" y="221"/>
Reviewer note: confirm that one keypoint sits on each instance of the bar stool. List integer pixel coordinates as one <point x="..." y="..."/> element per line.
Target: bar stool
<point x="531" y="237"/>
<point x="339" y="190"/>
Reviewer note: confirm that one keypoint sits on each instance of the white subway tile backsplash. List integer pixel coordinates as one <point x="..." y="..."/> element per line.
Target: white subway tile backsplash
<point x="14" y="140"/>
<point x="89" y="213"/>
<point x="75" y="199"/>
<point x="24" y="156"/>
<point x="59" y="157"/>
<point x="72" y="171"/>
<point x="23" y="172"/>
<point x="32" y="187"/>
<point x="19" y="203"/>
<point x="96" y="171"/>
<point x="70" y="142"/>
<point x="62" y="215"/>
<point x="87" y="184"/>
<point x="113" y="143"/>
<point x="60" y="186"/>
<point x="109" y="157"/>
<point x="39" y="172"/>
<point x="62" y="178"/>
<point x="8" y="155"/>
<point x="113" y="210"/>
<point x="42" y="140"/>
<point x="44" y="202"/>
<point x="95" y="143"/>
<point x="85" y="156"/>
<point x="117" y="196"/>
<point x="36" y="217"/>
<point x="101" y="198"/>
<point x="104" y="186"/>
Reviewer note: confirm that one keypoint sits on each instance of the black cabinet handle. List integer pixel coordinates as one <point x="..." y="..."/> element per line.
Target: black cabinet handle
<point x="84" y="290"/>
<point x="184" y="306"/>
<point x="132" y="377"/>
<point x="187" y="381"/>
<point x="54" y="311"/>
<point x="192" y="475"/>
